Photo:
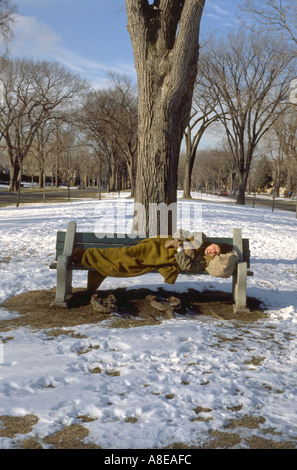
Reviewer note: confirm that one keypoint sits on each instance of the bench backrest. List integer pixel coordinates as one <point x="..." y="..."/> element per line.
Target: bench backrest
<point x="92" y="240"/>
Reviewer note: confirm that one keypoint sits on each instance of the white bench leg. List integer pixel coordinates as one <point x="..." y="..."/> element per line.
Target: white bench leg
<point x="239" y="288"/>
<point x="64" y="275"/>
<point x="64" y="282"/>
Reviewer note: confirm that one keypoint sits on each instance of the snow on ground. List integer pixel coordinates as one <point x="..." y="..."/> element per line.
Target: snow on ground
<point x="164" y="373"/>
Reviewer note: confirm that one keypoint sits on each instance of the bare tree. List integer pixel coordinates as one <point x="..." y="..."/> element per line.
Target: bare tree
<point x="165" y="41"/>
<point x="31" y="92"/>
<point x="249" y="79"/>
<point x="272" y="149"/>
<point x="202" y="116"/>
<point x="287" y="135"/>
<point x="212" y="168"/>
<point x="41" y="151"/>
<point x="7" y="17"/>
<point x="277" y="16"/>
<point x="280" y="16"/>
<point x="110" y="116"/>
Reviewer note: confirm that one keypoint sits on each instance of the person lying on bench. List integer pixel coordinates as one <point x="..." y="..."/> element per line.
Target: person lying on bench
<point x="168" y="256"/>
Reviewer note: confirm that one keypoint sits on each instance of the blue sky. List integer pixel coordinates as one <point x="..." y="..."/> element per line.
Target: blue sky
<point x="90" y="37"/>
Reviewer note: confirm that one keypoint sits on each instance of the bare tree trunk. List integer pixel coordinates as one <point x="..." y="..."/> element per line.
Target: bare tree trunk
<point x="132" y="177"/>
<point x="19" y="179"/>
<point x="190" y="157"/>
<point x="15" y="178"/>
<point x="241" y="192"/>
<point x="296" y="198"/>
<point x="187" y="177"/>
<point x="165" y="38"/>
<point x="57" y="172"/>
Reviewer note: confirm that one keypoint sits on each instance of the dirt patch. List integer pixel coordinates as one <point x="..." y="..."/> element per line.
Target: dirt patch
<point x="13" y="425"/>
<point x="74" y="436"/>
<point x="70" y="437"/>
<point x="134" y="308"/>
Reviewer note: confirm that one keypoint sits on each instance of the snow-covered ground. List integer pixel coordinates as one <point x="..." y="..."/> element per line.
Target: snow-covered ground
<point x="178" y="380"/>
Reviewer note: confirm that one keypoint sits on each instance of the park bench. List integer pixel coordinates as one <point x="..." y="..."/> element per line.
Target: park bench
<point x="66" y="241"/>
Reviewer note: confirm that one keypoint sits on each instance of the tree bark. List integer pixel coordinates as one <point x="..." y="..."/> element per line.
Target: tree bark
<point x="191" y="149"/>
<point x="15" y="171"/>
<point x="187" y="178"/>
<point x="164" y="38"/>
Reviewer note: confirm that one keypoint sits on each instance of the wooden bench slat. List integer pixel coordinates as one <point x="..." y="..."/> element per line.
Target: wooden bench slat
<point x="74" y="267"/>
<point x="109" y="238"/>
<point x="116" y="243"/>
<point x="60" y="246"/>
<point x="86" y="237"/>
<point x="87" y="240"/>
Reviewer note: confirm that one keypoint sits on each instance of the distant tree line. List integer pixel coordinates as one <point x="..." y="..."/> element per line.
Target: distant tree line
<point x="52" y="123"/>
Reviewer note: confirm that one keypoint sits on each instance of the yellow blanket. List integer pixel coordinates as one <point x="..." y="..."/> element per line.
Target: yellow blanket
<point x="147" y="256"/>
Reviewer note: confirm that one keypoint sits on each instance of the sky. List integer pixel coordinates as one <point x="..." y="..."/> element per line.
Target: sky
<point x="90" y="37"/>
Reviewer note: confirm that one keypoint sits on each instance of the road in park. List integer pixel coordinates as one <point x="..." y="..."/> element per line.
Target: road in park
<point x="51" y="195"/>
<point x="284" y="205"/>
<point x="63" y="195"/>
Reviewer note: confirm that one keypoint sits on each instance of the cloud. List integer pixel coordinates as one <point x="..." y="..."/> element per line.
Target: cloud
<point x="213" y="15"/>
<point x="220" y="16"/>
<point x="35" y="39"/>
<point x="220" y="10"/>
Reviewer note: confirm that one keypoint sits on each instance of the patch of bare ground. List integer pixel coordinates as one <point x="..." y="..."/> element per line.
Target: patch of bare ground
<point x="69" y="437"/>
<point x="10" y="426"/>
<point x="234" y="435"/>
<point x="75" y="436"/>
<point x="135" y="308"/>
<point x="234" y="440"/>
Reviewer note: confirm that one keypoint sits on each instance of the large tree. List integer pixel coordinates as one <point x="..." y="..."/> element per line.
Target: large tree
<point x="165" y="41"/>
<point x="249" y="79"/>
